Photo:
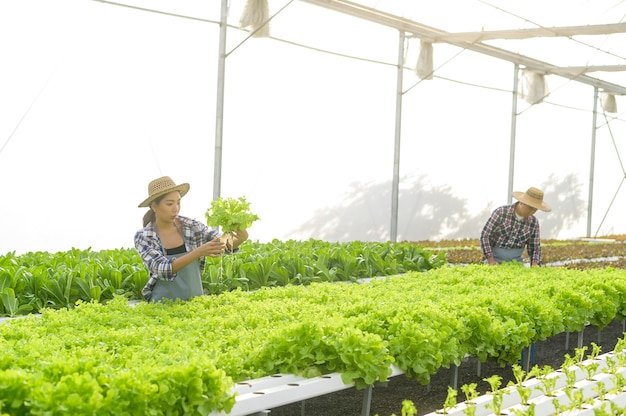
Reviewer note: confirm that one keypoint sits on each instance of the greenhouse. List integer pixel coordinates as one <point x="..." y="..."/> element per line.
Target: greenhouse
<point x="373" y="138"/>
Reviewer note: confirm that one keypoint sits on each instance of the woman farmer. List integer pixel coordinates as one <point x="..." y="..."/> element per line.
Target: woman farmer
<point x="174" y="248"/>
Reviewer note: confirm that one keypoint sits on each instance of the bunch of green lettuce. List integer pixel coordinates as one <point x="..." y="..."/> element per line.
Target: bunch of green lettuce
<point x="230" y="214"/>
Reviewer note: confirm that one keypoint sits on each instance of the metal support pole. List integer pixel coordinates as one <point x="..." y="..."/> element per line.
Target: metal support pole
<point x="219" y="117"/>
<point x="594" y="124"/>
<point x="528" y="357"/>
<point x="396" y="153"/>
<point x="367" y="401"/>
<point x="454" y="379"/>
<point x="580" y="338"/>
<point x="513" y="133"/>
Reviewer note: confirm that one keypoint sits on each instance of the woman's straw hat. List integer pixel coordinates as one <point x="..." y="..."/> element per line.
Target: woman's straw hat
<point x="532" y="197"/>
<point x="162" y="186"/>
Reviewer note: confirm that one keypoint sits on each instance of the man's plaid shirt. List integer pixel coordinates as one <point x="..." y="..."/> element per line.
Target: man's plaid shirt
<point x="505" y="230"/>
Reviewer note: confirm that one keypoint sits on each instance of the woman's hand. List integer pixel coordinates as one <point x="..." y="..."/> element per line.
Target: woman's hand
<point x="213" y="248"/>
<point x="239" y="237"/>
<point x="233" y="239"/>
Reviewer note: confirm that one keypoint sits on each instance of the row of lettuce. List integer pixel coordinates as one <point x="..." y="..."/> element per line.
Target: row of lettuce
<point x="33" y="281"/>
<point x="183" y="357"/>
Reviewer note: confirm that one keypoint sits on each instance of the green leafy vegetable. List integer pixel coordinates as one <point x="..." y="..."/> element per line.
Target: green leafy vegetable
<point x="230" y="214"/>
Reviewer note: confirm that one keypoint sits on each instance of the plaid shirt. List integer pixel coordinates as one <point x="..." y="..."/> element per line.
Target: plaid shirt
<point x="152" y="252"/>
<point x="504" y="230"/>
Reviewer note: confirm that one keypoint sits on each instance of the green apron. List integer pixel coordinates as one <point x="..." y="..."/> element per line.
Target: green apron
<point x="187" y="284"/>
<point x="508" y="254"/>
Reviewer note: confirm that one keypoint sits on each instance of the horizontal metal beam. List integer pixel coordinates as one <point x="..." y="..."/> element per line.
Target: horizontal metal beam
<point x="594" y="68"/>
<point x="540" y="32"/>
<point x="429" y="33"/>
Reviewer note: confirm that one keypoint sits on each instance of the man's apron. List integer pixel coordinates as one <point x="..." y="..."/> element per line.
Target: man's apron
<point x="508" y="254"/>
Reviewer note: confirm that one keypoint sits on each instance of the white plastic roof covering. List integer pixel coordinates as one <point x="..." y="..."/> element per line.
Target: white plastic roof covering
<point x="579" y="41"/>
<point x="564" y="38"/>
<point x="573" y="38"/>
<point x="301" y="115"/>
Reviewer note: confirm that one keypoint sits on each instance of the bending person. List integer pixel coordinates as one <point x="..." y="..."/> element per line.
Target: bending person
<point x="511" y="228"/>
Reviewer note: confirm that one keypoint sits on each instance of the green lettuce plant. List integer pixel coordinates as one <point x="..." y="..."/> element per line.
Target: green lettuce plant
<point x="230" y="214"/>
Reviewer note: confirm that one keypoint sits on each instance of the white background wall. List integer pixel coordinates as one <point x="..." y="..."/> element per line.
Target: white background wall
<point x="126" y="96"/>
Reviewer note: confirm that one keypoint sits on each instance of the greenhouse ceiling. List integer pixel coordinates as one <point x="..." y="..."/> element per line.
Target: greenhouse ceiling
<point x="580" y="40"/>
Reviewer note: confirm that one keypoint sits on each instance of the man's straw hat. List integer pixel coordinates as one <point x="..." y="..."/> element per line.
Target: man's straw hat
<point x="162" y="186"/>
<point x="532" y="197"/>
